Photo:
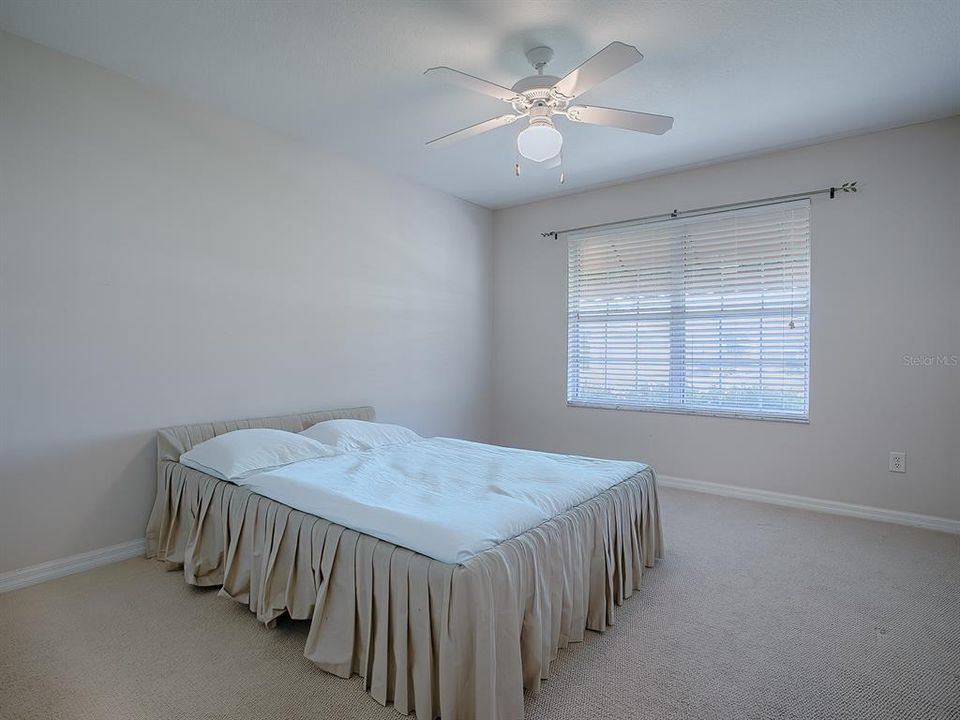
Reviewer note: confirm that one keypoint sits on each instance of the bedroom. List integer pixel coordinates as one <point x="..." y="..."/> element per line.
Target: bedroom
<point x="212" y="211"/>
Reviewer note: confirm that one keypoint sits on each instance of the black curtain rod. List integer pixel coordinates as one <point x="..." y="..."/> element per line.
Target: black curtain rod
<point x="847" y="187"/>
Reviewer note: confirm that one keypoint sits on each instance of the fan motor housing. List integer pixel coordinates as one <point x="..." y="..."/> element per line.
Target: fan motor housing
<point x="535" y="96"/>
<point x="535" y="83"/>
<point x="535" y="92"/>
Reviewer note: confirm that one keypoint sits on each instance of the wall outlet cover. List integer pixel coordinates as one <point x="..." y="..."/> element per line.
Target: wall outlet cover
<point x="898" y="462"/>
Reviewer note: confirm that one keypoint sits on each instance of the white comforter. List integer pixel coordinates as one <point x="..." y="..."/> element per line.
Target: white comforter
<point x="448" y="499"/>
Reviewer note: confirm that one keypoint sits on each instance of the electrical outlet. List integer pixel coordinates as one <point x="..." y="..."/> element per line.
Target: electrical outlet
<point x="898" y="462"/>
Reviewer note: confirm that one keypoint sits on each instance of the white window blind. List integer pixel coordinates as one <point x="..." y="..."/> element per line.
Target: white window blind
<point x="707" y="314"/>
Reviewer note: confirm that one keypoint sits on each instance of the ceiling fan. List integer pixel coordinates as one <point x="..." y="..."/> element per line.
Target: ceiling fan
<point x="541" y="97"/>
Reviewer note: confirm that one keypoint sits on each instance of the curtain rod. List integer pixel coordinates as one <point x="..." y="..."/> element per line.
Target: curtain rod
<point x="847" y="187"/>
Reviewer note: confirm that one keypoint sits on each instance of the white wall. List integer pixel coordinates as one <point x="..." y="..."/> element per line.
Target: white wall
<point x="161" y="263"/>
<point x="886" y="284"/>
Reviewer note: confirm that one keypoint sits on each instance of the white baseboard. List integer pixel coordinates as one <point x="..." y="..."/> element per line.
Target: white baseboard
<point x="15" y="579"/>
<point x="928" y="522"/>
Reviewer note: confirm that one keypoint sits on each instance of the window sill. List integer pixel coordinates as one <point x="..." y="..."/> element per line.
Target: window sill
<point x="704" y="413"/>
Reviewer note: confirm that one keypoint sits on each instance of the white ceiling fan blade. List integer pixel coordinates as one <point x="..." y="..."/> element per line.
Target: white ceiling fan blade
<point x="472" y="83"/>
<point x="480" y="127"/>
<point x="626" y="119"/>
<point x="614" y="58"/>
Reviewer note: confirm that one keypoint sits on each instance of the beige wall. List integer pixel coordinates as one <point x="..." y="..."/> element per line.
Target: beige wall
<point x="885" y="284"/>
<point x="161" y="263"/>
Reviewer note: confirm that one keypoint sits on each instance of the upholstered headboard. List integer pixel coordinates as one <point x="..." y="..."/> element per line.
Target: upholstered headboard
<point x="172" y="442"/>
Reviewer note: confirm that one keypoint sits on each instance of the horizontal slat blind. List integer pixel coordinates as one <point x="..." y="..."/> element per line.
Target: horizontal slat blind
<point x="707" y="314"/>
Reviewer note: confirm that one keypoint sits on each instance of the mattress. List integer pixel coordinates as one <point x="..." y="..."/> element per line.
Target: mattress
<point x="448" y="499"/>
<point x="461" y="641"/>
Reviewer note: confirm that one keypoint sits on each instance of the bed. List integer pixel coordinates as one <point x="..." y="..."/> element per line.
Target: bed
<point x="456" y="639"/>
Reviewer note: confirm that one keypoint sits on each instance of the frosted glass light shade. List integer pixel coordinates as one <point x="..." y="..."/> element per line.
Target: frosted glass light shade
<point x="539" y="142"/>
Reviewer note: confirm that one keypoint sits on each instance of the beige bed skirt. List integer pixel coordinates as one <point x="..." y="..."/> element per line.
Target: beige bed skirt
<point x="457" y="641"/>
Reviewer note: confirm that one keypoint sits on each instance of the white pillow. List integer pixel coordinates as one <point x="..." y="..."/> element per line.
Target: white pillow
<point x="241" y="453"/>
<point x="351" y="435"/>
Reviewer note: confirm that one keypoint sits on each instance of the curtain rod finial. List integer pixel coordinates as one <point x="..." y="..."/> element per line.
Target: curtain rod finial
<point x="847" y="187"/>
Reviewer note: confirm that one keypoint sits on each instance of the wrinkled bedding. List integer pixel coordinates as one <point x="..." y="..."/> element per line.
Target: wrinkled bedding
<point x="448" y="499"/>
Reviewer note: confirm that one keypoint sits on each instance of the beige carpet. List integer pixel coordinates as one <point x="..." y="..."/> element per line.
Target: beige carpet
<point x="757" y="612"/>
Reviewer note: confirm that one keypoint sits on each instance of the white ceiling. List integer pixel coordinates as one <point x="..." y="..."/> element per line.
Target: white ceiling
<point x="739" y="76"/>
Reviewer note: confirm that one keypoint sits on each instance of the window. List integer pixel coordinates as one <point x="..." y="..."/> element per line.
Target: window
<point x="708" y="314"/>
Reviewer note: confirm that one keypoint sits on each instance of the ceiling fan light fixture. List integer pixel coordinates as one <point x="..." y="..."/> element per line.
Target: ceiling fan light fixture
<point x="540" y="141"/>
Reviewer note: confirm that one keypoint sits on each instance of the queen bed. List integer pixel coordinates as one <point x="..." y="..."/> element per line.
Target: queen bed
<point x="447" y="574"/>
